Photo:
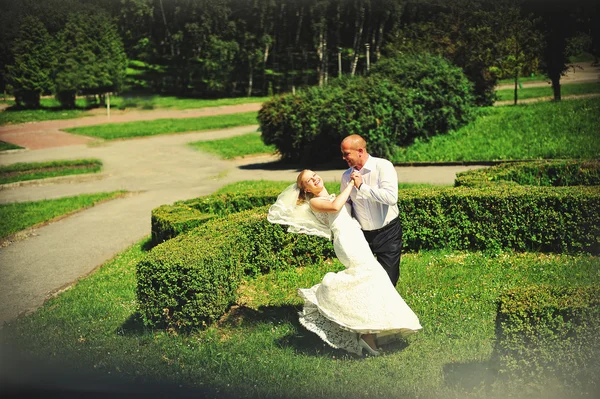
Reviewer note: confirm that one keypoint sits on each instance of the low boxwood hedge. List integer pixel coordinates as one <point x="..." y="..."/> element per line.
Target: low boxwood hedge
<point x="544" y="219"/>
<point x="535" y="173"/>
<point x="169" y="221"/>
<point x="190" y="281"/>
<point x="521" y="218"/>
<point x="551" y="332"/>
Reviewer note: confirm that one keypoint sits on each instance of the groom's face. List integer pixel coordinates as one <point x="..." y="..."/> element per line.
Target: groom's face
<point x="351" y="156"/>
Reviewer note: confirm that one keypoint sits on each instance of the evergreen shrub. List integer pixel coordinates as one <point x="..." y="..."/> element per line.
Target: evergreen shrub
<point x="551" y="332"/>
<point x="168" y="221"/>
<point x="543" y="219"/>
<point x="522" y="218"/>
<point x="191" y="280"/>
<point x="535" y="173"/>
<point x="388" y="108"/>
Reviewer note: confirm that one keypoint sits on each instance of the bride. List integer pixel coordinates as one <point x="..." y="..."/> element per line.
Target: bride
<point x="350" y="309"/>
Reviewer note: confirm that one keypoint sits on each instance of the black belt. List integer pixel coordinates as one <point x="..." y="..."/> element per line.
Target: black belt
<point x="384" y="228"/>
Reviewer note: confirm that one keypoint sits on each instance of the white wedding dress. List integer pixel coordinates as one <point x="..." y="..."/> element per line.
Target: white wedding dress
<point x="358" y="300"/>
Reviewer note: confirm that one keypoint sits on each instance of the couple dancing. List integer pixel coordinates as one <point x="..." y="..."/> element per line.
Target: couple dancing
<point x="359" y="307"/>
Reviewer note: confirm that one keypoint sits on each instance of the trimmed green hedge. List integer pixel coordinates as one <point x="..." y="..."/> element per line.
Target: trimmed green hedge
<point x="169" y="221"/>
<point x="535" y="173"/>
<point x="522" y="218"/>
<point x="191" y="280"/>
<point x="545" y="219"/>
<point x="551" y="332"/>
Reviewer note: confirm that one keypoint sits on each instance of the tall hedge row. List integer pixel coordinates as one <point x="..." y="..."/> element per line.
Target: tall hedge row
<point x="389" y="108"/>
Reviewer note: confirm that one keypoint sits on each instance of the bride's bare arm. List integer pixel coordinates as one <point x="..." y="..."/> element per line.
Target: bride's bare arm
<point x="319" y="205"/>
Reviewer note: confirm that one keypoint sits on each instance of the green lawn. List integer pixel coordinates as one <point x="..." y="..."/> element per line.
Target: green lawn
<point x="260" y="350"/>
<point x="4" y="146"/>
<point x="161" y="126"/>
<point x="21" y="215"/>
<point x="50" y="107"/>
<point x="546" y="91"/>
<point x="42" y="170"/>
<point x="543" y="130"/>
<point x="234" y="147"/>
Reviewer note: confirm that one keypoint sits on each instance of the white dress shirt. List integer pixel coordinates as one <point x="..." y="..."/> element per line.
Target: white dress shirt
<point x="376" y="203"/>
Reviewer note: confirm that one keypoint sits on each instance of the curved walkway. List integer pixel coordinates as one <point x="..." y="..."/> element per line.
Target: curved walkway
<point x="155" y="170"/>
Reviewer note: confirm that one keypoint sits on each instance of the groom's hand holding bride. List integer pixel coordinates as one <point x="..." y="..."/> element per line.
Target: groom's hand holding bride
<point x="356" y="179"/>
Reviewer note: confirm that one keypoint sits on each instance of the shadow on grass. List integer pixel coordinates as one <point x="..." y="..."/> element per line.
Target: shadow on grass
<point x="302" y="341"/>
<point x="470" y="376"/>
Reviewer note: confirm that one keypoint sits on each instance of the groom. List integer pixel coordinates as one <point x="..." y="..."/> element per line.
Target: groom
<point x="374" y="202"/>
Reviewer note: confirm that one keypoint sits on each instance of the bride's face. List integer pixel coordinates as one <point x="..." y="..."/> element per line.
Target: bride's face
<point x="312" y="182"/>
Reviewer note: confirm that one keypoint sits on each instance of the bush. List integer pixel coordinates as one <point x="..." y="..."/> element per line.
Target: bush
<point x="388" y="109"/>
<point x="541" y="219"/>
<point x="535" y="173"/>
<point x="191" y="280"/>
<point x="169" y="221"/>
<point x="550" y="332"/>
<point x="521" y="218"/>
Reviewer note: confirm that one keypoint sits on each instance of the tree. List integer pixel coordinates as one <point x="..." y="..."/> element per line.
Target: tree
<point x="34" y="59"/>
<point x="557" y="26"/>
<point x="519" y="46"/>
<point x="91" y="57"/>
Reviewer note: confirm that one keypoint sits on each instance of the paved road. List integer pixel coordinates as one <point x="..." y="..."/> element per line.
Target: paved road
<point x="156" y="170"/>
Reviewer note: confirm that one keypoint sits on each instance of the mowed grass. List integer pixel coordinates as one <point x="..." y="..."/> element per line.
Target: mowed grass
<point x="260" y="350"/>
<point x="235" y="147"/>
<point x="163" y="126"/>
<point x="546" y="91"/>
<point x="42" y="170"/>
<point x="18" y="216"/>
<point x="4" y="146"/>
<point x="50" y="108"/>
<point x="543" y="130"/>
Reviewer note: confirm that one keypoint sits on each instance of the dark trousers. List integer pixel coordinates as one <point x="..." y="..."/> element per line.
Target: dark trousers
<point x="386" y="244"/>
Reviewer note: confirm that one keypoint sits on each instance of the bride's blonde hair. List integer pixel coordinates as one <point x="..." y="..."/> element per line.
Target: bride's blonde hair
<point x="303" y="195"/>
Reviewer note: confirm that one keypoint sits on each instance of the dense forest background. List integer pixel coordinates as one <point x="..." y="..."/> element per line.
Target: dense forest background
<point x="220" y="48"/>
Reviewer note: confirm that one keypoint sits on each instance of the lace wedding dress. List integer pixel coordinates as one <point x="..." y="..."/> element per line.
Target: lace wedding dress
<point x="358" y="300"/>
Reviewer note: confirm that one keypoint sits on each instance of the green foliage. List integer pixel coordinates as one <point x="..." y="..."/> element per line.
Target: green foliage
<point x="523" y="218"/>
<point x="91" y="58"/>
<point x="34" y="61"/>
<point x="191" y="280"/>
<point x="491" y="218"/>
<point x="535" y="173"/>
<point x="550" y="331"/>
<point x="168" y="221"/>
<point x="389" y="108"/>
